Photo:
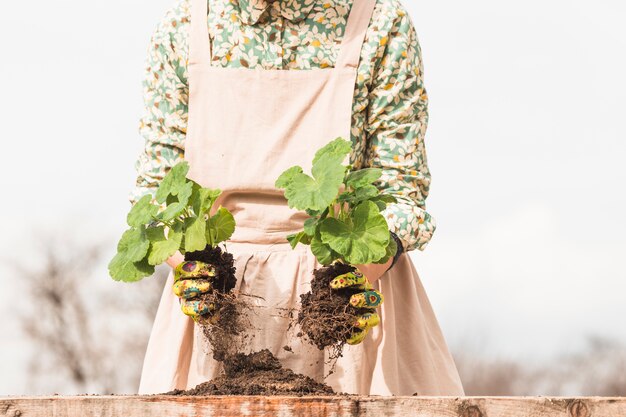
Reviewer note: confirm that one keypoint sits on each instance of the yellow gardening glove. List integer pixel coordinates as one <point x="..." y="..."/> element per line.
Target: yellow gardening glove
<point x="191" y="279"/>
<point x="369" y="299"/>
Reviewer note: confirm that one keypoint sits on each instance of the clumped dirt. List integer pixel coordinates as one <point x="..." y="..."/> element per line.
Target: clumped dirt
<point x="224" y="262"/>
<point x="326" y="316"/>
<point x="258" y="373"/>
<point x="261" y="373"/>
<point x="228" y="333"/>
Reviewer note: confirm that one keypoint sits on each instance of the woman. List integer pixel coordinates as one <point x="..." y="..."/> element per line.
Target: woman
<point x="244" y="89"/>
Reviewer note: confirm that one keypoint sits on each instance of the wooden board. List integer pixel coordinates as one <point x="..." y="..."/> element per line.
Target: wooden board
<point x="419" y="406"/>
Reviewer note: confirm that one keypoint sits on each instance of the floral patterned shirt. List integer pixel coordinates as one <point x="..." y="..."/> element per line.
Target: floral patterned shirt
<point x="389" y="114"/>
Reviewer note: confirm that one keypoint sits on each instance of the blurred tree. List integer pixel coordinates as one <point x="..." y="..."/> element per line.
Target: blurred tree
<point x="599" y="369"/>
<point x="87" y="333"/>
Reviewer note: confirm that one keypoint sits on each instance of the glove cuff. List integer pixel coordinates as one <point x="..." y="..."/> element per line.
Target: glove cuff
<point x="399" y="251"/>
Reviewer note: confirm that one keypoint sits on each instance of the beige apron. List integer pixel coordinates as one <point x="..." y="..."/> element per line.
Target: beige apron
<point x="245" y="127"/>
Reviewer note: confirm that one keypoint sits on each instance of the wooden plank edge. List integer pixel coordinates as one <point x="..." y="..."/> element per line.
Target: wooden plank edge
<point x="287" y="406"/>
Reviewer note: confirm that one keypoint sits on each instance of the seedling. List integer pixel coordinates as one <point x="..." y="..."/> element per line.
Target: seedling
<point x="181" y="221"/>
<point x="345" y="228"/>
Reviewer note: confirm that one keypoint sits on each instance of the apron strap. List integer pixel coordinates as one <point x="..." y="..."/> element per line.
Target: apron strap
<point x="199" y="42"/>
<point x="354" y="34"/>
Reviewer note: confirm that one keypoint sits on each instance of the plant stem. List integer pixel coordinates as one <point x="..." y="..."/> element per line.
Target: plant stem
<point x="208" y="221"/>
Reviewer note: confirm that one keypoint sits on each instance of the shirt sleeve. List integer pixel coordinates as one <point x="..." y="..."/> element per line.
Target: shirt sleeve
<point x="396" y="126"/>
<point x="163" y="123"/>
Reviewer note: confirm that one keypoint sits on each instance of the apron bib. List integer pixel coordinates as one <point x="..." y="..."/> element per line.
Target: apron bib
<point x="245" y="127"/>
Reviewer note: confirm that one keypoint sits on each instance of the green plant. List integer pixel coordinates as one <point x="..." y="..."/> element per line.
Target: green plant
<point x="344" y="207"/>
<point x="181" y="221"/>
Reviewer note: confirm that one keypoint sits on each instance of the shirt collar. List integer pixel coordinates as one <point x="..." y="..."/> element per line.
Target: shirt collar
<point x="250" y="11"/>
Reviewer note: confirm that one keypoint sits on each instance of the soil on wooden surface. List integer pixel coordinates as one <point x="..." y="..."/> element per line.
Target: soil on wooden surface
<point x="258" y="373"/>
<point x="326" y="316"/>
<point x="261" y="373"/>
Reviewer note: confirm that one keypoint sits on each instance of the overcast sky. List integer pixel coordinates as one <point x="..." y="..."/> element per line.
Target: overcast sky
<point x="526" y="146"/>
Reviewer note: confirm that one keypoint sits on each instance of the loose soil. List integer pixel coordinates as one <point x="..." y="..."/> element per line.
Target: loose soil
<point x="326" y="316"/>
<point x="224" y="263"/>
<point x="259" y="373"/>
<point x="229" y="332"/>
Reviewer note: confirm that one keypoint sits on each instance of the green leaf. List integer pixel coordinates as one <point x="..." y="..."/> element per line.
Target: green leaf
<point x="391" y="250"/>
<point x="176" y="209"/>
<point x="134" y="244"/>
<point x="387" y="198"/>
<point x="317" y="192"/>
<point x="288" y="176"/>
<point x="299" y="237"/>
<point x="335" y="150"/>
<point x="160" y="247"/>
<point x="314" y="213"/>
<point x="310" y="226"/>
<point x="382" y="200"/>
<point x="381" y="204"/>
<point x="221" y="226"/>
<point x="363" y="177"/>
<point x="173" y="181"/>
<point x="195" y="233"/>
<point x="128" y="263"/>
<point x="121" y="269"/>
<point x="171" y="199"/>
<point x="155" y="234"/>
<point x="204" y="199"/>
<point x="362" y="238"/>
<point x="366" y="192"/>
<point x="142" y="211"/>
<point x="172" y="211"/>
<point x="194" y="199"/>
<point x="324" y="254"/>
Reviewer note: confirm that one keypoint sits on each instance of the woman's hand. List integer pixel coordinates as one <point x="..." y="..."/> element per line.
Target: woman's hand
<point x="192" y="279"/>
<point x="367" y="300"/>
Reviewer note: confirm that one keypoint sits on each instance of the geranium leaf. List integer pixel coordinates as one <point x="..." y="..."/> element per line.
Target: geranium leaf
<point x="176" y="209"/>
<point x="299" y="237"/>
<point x="365" y="193"/>
<point x="362" y="238"/>
<point x="121" y="269"/>
<point x="335" y="150"/>
<point x="204" y="199"/>
<point x="287" y="176"/>
<point x="222" y="226"/>
<point x="310" y="225"/>
<point x="173" y="181"/>
<point x="363" y="177"/>
<point x="161" y="248"/>
<point x="195" y="233"/>
<point x="315" y="193"/>
<point x="142" y="211"/>
<point x="155" y="234"/>
<point x="324" y="254"/>
<point x="129" y="264"/>
<point x="134" y="243"/>
<point x="391" y="250"/>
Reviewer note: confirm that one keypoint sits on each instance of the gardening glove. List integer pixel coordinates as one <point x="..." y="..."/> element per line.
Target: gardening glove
<point x="191" y="279"/>
<point x="369" y="299"/>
